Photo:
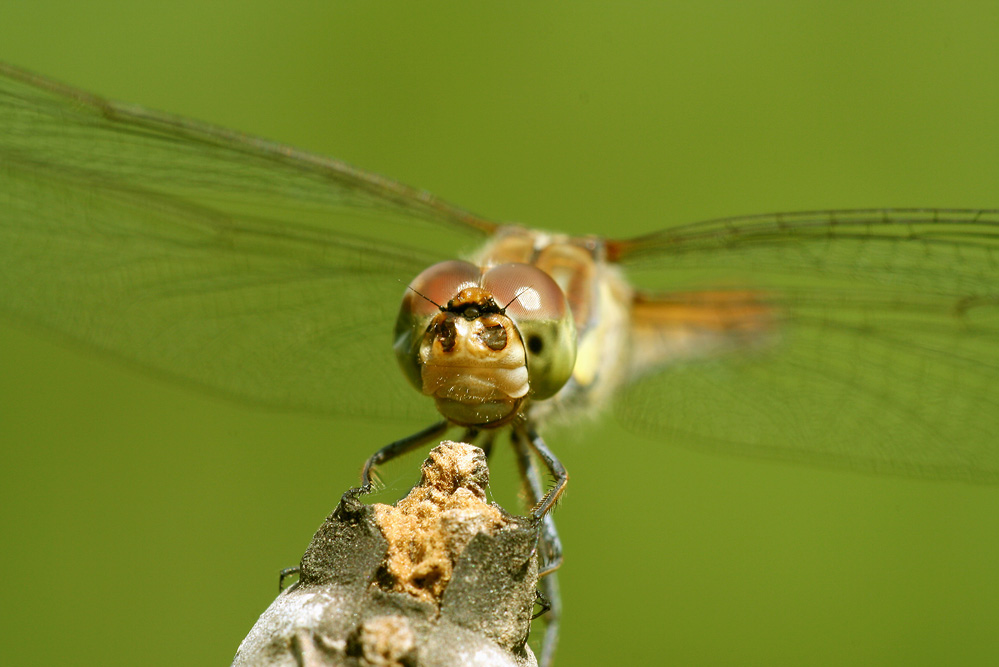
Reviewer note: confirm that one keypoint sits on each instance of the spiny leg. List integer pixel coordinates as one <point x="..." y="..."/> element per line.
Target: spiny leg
<point x="554" y="466"/>
<point x="396" y="449"/>
<point x="386" y="453"/>
<point x="349" y="502"/>
<point x="551" y="545"/>
<point x="548" y="540"/>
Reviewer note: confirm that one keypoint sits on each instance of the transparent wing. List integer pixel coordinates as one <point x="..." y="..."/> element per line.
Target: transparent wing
<point x="885" y="353"/>
<point x="251" y="268"/>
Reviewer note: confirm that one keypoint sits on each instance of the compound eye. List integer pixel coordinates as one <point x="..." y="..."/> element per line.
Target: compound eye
<point x="439" y="283"/>
<point x="526" y="292"/>
<point x="538" y="307"/>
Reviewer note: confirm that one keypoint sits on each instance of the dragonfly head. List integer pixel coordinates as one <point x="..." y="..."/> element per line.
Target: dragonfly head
<point x="483" y="342"/>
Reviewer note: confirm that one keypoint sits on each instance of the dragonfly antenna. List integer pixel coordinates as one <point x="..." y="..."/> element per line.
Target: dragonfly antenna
<point x="515" y="297"/>
<point x="439" y="307"/>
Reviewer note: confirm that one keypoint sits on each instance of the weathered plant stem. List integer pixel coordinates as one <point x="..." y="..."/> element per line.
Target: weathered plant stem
<point x="442" y="578"/>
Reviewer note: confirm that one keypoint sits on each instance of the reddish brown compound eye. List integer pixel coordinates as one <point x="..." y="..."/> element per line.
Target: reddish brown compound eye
<point x="537" y="306"/>
<point x="525" y="291"/>
<point x="438" y="285"/>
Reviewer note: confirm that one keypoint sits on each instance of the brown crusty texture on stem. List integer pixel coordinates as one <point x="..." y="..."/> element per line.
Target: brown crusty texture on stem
<point x="429" y="529"/>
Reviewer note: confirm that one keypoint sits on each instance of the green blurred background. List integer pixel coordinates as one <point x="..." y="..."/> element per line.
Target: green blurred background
<point x="144" y="523"/>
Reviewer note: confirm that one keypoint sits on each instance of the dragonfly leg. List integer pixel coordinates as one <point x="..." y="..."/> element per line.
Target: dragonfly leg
<point x="398" y="448"/>
<point x="554" y="466"/>
<point x="285" y="573"/>
<point x="549" y="544"/>
<point x="387" y="453"/>
<point x="549" y="588"/>
<point x="542" y="601"/>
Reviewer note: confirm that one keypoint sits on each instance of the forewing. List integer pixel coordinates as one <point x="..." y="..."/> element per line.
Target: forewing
<point x="247" y="267"/>
<point x="885" y="346"/>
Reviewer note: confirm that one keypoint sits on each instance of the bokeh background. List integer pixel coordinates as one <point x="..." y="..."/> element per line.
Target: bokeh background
<point x="143" y="523"/>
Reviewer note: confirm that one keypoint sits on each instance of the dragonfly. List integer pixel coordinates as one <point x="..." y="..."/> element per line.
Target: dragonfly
<point x="862" y="339"/>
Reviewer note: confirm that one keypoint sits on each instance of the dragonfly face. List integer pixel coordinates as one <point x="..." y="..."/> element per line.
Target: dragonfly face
<point x="478" y="359"/>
